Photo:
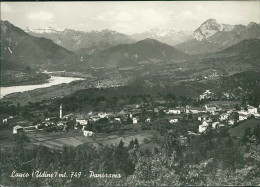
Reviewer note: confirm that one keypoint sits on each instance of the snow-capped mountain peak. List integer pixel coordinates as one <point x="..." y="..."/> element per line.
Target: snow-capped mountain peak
<point x="43" y="30"/>
<point x="210" y="27"/>
<point x="170" y="37"/>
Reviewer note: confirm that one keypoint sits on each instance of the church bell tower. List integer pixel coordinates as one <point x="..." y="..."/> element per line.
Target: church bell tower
<point x="60" y="111"/>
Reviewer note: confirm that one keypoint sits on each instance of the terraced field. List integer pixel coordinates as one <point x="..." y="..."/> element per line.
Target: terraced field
<point x="57" y="140"/>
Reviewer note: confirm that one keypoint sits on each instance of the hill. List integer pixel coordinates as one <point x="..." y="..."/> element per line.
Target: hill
<point x="246" y="48"/>
<point x="20" y="48"/>
<point x="142" y="52"/>
<point x="240" y="57"/>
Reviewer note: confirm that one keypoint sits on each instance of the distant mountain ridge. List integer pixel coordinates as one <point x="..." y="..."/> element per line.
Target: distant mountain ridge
<point x="212" y="36"/>
<point x="82" y="42"/>
<point x="44" y="30"/>
<point x="169" y="37"/>
<point x="141" y="52"/>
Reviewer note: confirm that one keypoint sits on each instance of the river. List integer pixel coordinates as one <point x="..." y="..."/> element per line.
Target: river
<point x="54" y="80"/>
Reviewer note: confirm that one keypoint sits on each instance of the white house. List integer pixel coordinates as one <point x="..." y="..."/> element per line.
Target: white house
<point x="243" y="112"/>
<point x="82" y="121"/>
<point x="193" y="110"/>
<point x="135" y="120"/>
<point x="17" y="128"/>
<point x="242" y="117"/>
<point x="221" y="125"/>
<point x="88" y="133"/>
<point x="5" y="120"/>
<point x="95" y="118"/>
<point x="203" y="127"/>
<point x="148" y="120"/>
<point x="251" y="109"/>
<point x="117" y="119"/>
<point x="173" y="111"/>
<point x="200" y="118"/>
<point x="210" y="108"/>
<point x="231" y="122"/>
<point x="173" y="121"/>
<point x="223" y="117"/>
<point x="102" y="115"/>
<point x="215" y="125"/>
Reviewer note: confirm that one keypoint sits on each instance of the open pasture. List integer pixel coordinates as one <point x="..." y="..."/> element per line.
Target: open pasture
<point x="57" y="140"/>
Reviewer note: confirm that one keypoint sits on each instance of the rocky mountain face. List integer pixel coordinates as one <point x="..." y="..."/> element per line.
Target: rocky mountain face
<point x="169" y="37"/>
<point x="82" y="42"/>
<point x="212" y="36"/>
<point x="142" y="52"/>
<point x="18" y="47"/>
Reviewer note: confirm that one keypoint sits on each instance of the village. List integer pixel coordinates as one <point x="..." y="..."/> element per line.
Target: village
<point x="209" y="116"/>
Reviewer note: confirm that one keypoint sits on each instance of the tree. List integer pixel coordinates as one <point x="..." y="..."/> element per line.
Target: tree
<point x="257" y="132"/>
<point x="136" y="143"/>
<point x="247" y="134"/>
<point x="122" y="160"/>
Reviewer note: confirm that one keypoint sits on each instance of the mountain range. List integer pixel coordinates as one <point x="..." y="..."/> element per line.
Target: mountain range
<point x="212" y="36"/>
<point x="226" y="50"/>
<point x="21" y="48"/>
<point x="169" y="37"/>
<point x="82" y="42"/>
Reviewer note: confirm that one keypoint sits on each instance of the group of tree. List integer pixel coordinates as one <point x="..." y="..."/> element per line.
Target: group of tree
<point x="234" y="162"/>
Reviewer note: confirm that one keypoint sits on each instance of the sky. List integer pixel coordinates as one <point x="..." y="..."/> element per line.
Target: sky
<point x="130" y="16"/>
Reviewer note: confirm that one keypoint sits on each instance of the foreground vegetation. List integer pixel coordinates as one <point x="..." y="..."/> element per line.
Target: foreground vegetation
<point x="212" y="159"/>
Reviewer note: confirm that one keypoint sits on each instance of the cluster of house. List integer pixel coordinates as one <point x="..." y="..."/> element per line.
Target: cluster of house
<point x="225" y="118"/>
<point x="213" y="117"/>
<point x="81" y="121"/>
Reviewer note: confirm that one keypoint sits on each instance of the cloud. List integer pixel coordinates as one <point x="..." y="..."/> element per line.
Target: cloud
<point x="121" y="27"/>
<point x="105" y="16"/>
<point x="127" y="21"/>
<point x="124" y="16"/>
<point x="6" y="8"/>
<point x="40" y="16"/>
<point x="153" y="17"/>
<point x="187" y="15"/>
<point x="146" y="15"/>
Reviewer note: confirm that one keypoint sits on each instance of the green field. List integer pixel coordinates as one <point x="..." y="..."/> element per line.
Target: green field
<point x="57" y="140"/>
